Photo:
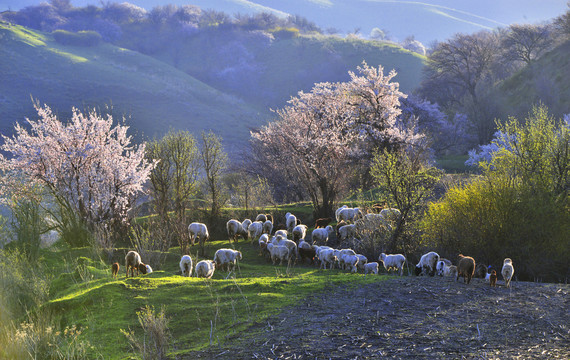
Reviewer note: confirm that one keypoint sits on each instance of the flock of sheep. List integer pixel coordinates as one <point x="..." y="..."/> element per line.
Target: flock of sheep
<point x="278" y="247"/>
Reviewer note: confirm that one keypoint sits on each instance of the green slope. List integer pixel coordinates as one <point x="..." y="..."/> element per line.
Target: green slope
<point x="151" y="94"/>
<point x="546" y="80"/>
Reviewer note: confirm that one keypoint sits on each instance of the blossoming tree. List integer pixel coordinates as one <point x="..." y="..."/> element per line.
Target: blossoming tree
<point x="91" y="168"/>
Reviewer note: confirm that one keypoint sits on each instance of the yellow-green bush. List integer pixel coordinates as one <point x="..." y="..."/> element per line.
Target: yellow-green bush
<point x="80" y="38"/>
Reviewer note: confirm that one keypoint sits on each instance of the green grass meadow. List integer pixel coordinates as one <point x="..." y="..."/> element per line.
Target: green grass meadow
<point x="202" y="312"/>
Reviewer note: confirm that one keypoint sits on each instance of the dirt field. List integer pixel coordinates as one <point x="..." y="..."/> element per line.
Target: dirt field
<point x="415" y="318"/>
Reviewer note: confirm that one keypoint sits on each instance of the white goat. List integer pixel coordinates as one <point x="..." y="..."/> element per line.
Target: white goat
<point x="186" y="265"/>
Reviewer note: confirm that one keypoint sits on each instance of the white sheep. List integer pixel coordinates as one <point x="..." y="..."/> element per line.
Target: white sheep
<point x="427" y="262"/>
<point x="205" y="269"/>
<point x="290" y="244"/>
<point x="226" y="258"/>
<point x="393" y="262"/>
<point x="362" y="261"/>
<point x="280" y="252"/>
<point x="148" y="269"/>
<point x="235" y="229"/>
<point x="337" y="212"/>
<point x="350" y="261"/>
<point x="326" y="256"/>
<point x="198" y="231"/>
<point x="186" y="265"/>
<point x="441" y="265"/>
<point x="263" y="238"/>
<point x="321" y="235"/>
<point x="290" y="221"/>
<point x="391" y="214"/>
<point x="304" y="245"/>
<point x="507" y="271"/>
<point x="267" y="227"/>
<point x="299" y="232"/>
<point x="245" y="224"/>
<point x="371" y="267"/>
<point x="350" y="215"/>
<point x="282" y="233"/>
<point x="340" y="254"/>
<point x="132" y="261"/>
<point x="261" y="217"/>
<point x="347" y="232"/>
<point x="255" y="229"/>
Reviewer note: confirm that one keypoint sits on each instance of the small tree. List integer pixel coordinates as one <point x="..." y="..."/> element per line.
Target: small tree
<point x="214" y="160"/>
<point x="409" y="180"/>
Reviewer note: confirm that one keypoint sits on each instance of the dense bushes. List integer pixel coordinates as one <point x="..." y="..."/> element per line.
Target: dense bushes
<point x="284" y="33"/>
<point x="80" y="38"/>
<point x="518" y="207"/>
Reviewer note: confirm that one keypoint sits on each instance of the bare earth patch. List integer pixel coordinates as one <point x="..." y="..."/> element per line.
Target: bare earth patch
<point x="415" y="317"/>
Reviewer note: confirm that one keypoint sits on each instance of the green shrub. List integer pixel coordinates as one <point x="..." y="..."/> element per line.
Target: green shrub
<point x="281" y="33"/>
<point x="81" y="38"/>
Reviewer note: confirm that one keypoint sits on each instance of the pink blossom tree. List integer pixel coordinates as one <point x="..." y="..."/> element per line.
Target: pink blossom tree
<point x="318" y="136"/>
<point x="92" y="169"/>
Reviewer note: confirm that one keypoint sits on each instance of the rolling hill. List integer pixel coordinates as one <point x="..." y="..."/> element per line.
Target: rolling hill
<point x="151" y="94"/>
<point x="427" y="20"/>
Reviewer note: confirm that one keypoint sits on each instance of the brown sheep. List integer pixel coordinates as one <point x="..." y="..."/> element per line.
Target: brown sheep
<point x="465" y="268"/>
<point x="493" y="278"/>
<point x="132" y="261"/>
<point x="115" y="269"/>
<point x="322" y="222"/>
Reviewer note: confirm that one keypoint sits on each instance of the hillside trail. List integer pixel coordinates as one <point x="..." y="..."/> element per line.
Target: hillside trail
<point x="414" y="318"/>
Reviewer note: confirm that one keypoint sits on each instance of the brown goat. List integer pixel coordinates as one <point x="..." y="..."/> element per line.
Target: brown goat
<point x="322" y="222"/>
<point x="132" y="261"/>
<point x="115" y="269"/>
<point x="493" y="278"/>
<point x="465" y="268"/>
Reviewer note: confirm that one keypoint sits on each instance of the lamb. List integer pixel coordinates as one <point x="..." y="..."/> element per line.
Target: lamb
<point x="341" y="254"/>
<point x="290" y="221"/>
<point x="493" y="279"/>
<point x="226" y="258"/>
<point x="336" y="213"/>
<point x="255" y="230"/>
<point x="186" y="265"/>
<point x="326" y="256"/>
<point x="465" y="268"/>
<point x="115" y="269"/>
<point x="235" y="229"/>
<point x="132" y="261"/>
<point x="371" y="267"/>
<point x="393" y="262"/>
<point x="299" y="232"/>
<point x="320" y="236"/>
<point x="322" y="222"/>
<point x="350" y="215"/>
<point x="507" y="271"/>
<point x="347" y="232"/>
<point x="261" y="217"/>
<point x="205" y="269"/>
<point x="267" y="227"/>
<point x="350" y="261"/>
<point x="427" y="261"/>
<point x="198" y="231"/>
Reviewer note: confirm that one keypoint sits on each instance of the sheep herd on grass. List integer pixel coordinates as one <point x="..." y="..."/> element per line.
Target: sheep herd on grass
<point x="276" y="247"/>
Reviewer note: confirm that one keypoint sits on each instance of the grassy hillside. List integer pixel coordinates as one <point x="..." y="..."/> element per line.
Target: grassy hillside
<point x="151" y="94"/>
<point x="547" y="80"/>
<point x="200" y="311"/>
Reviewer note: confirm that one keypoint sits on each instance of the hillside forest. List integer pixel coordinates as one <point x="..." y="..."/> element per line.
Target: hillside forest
<point x="466" y="143"/>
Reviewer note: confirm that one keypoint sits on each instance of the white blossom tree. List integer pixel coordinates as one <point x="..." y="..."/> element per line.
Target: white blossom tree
<point x="91" y="168"/>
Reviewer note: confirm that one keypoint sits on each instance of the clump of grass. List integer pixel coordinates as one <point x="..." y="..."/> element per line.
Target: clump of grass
<point x="156" y="339"/>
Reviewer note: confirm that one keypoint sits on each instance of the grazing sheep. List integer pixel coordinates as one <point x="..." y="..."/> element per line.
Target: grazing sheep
<point x="255" y="229"/>
<point x="290" y="221"/>
<point x="198" y="231"/>
<point x="465" y="268"/>
<point x="507" y="271"/>
<point x="322" y="222"/>
<point x="341" y="254"/>
<point x="393" y="262"/>
<point x="320" y="236"/>
<point x="441" y="265"/>
<point x="299" y="232"/>
<point x="263" y="238"/>
<point x="336" y="213"/>
<point x="143" y="268"/>
<point x="186" y="265"/>
<point x="327" y="256"/>
<point x="132" y="261"/>
<point x="280" y="252"/>
<point x="391" y="214"/>
<point x="235" y="229"/>
<point x="205" y="269"/>
<point x="290" y="244"/>
<point x="450" y="271"/>
<point x="245" y="224"/>
<point x="350" y="262"/>
<point x="347" y="232"/>
<point x="282" y="233"/>
<point x="371" y="267"/>
<point x="350" y="215"/>
<point x="307" y="253"/>
<point x="427" y="261"/>
<point x="261" y="217"/>
<point x="226" y="258"/>
<point x="493" y="279"/>
<point x="267" y="227"/>
<point x="362" y="261"/>
<point x="304" y="245"/>
<point x="115" y="269"/>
